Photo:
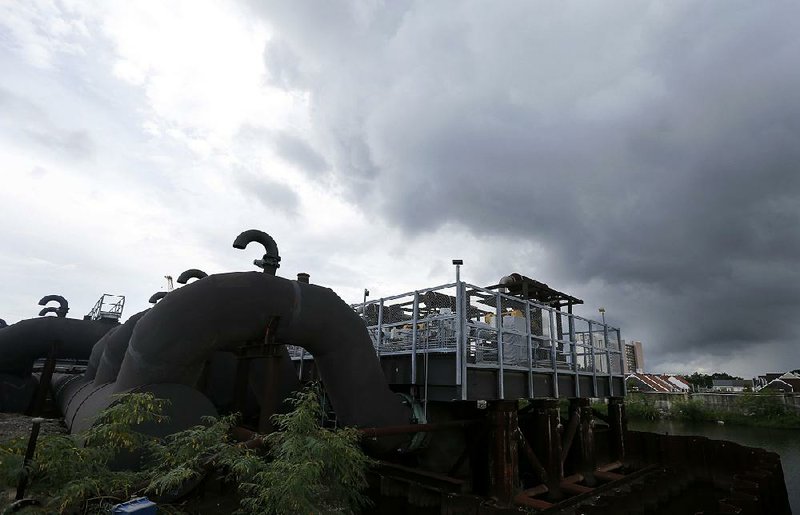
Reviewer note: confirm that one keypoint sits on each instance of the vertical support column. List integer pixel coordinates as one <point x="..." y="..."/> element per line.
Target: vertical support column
<point x="300" y="368"/>
<point x="618" y="426"/>
<point x="379" y="338"/>
<point x="42" y="389"/>
<point x="461" y="350"/>
<point x="608" y="362"/>
<point x="529" y="332"/>
<point x="559" y="324"/>
<point x="464" y="338"/>
<point x="270" y="395"/>
<point x="240" y="382"/>
<point x="594" y="362"/>
<point x="621" y="358"/>
<point x="414" y="323"/>
<point x="500" y="358"/>
<point x="503" y="454"/>
<point x="547" y="443"/>
<point x="271" y="387"/>
<point x="582" y="458"/>
<point x="572" y="344"/>
<point x="553" y="352"/>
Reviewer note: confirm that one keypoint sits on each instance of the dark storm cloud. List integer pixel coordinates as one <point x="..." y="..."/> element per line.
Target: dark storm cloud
<point x="270" y="193"/>
<point x="654" y="147"/>
<point x="289" y="147"/>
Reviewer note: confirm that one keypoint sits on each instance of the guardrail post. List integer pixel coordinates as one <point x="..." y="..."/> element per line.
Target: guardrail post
<point x="608" y="362"/>
<point x="500" y="357"/>
<point x="573" y="343"/>
<point x="621" y="357"/>
<point x="594" y="361"/>
<point x="553" y="351"/>
<point x="458" y="323"/>
<point x="379" y="338"/>
<point x="414" y="323"/>
<point x="529" y="331"/>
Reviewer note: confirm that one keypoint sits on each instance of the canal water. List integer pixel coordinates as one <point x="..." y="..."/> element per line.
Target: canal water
<point x="786" y="442"/>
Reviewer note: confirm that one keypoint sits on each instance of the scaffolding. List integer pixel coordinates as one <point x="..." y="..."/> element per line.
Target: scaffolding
<point x="108" y="307"/>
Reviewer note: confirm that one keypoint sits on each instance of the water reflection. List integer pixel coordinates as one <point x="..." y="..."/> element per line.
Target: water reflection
<point x="786" y="442"/>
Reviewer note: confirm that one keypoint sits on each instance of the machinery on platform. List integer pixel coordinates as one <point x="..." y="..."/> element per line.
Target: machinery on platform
<point x="473" y="399"/>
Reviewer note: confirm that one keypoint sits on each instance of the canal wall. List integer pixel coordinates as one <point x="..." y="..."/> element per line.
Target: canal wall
<point x="713" y="400"/>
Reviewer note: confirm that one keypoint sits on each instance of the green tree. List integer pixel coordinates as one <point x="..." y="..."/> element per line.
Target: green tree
<point x="68" y="475"/>
<point x="303" y="467"/>
<point x="313" y="469"/>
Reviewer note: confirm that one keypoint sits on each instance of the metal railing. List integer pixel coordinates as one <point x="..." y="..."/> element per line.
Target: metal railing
<point x="486" y="328"/>
<point x="108" y="306"/>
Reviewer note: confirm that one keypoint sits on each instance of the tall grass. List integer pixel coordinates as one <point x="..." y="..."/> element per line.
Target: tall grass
<point x="750" y="409"/>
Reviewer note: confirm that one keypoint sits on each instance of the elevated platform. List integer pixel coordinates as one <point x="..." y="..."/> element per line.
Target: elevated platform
<point x="459" y="341"/>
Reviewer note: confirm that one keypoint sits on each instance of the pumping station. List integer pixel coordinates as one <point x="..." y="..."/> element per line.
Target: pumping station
<point x="471" y="399"/>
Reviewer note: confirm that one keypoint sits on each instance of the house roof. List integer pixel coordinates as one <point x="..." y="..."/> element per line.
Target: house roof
<point x="731" y="382"/>
<point x="680" y="382"/>
<point x="655" y="382"/>
<point x="785" y="385"/>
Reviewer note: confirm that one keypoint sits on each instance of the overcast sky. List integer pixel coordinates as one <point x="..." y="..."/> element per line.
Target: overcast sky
<point x="642" y="156"/>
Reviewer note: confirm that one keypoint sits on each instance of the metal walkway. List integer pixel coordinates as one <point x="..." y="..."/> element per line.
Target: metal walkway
<point x="460" y="341"/>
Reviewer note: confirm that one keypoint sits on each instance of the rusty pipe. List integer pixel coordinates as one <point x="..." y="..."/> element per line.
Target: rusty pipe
<point x="417" y="428"/>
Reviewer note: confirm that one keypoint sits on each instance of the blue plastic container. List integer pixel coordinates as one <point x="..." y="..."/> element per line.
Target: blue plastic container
<point x="139" y="506"/>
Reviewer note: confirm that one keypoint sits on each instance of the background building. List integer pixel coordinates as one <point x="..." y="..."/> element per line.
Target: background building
<point x="731" y="385"/>
<point x="634" y="357"/>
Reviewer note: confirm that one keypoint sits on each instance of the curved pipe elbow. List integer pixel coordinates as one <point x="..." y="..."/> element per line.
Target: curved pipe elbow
<point x="51" y="309"/>
<point x="192" y="273"/>
<point x="157" y="296"/>
<point x="63" y="305"/>
<point x="172" y="342"/>
<point x="272" y="259"/>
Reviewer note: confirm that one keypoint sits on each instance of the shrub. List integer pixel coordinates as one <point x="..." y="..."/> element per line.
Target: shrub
<point x="691" y="410"/>
<point x="760" y="405"/>
<point x="308" y="469"/>
<point x="638" y="407"/>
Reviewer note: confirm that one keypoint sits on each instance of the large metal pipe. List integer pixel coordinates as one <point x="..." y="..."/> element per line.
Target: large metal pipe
<point x="116" y="345"/>
<point x="192" y="273"/>
<point x="28" y="340"/>
<point x="96" y="354"/>
<point x="223" y="311"/>
<point x="271" y="260"/>
<point x="3" y="323"/>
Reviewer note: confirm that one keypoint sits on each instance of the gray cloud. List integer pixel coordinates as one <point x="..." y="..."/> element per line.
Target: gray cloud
<point x="300" y="153"/>
<point x="270" y="193"/>
<point x="28" y="121"/>
<point x="289" y="147"/>
<point x="651" y="147"/>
